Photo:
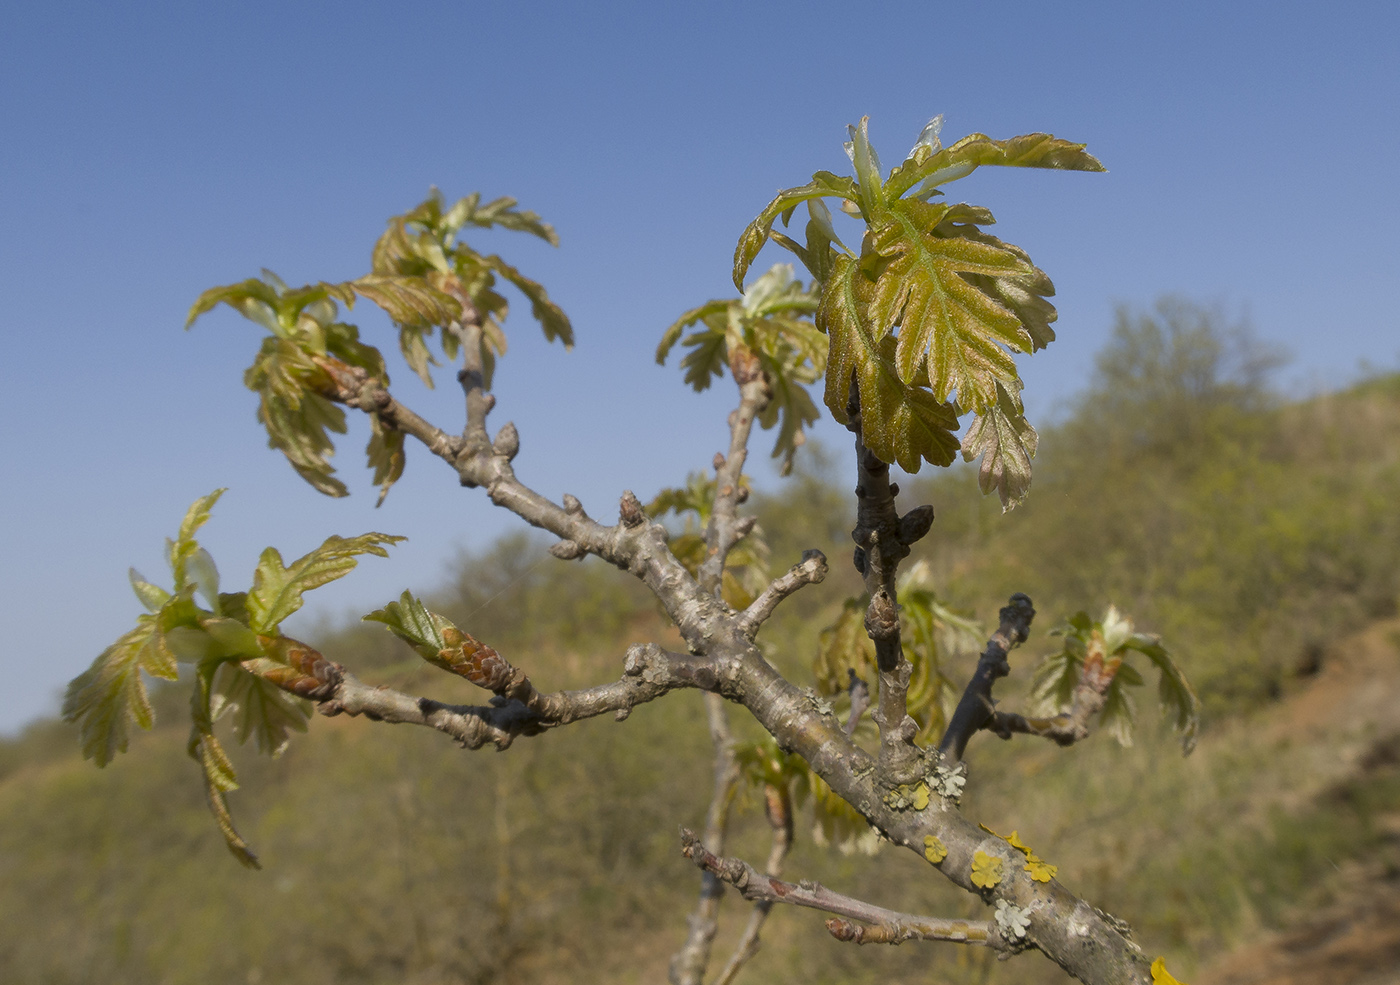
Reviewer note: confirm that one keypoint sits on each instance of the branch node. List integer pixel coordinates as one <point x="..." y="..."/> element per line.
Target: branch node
<point x="572" y="506"/>
<point x="507" y="443"/>
<point x="567" y="550"/>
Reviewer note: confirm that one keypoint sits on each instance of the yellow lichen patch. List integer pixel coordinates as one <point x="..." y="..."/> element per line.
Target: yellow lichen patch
<point x="1040" y="870"/>
<point x="1160" y="974"/>
<point x="908" y="796"/>
<point x="986" y="870"/>
<point x="934" y="849"/>
<point x="1012" y="839"/>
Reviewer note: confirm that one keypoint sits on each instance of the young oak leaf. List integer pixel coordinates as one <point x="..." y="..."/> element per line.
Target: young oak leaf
<point x="948" y="327"/>
<point x="1006" y="443"/>
<point x="277" y="589"/>
<point x="899" y="422"/>
<point x="986" y="869"/>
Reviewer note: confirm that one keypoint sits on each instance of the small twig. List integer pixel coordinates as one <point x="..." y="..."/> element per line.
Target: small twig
<point x="725" y="529"/>
<point x="649" y="673"/>
<point x="778" y="807"/>
<point x="890" y="926"/>
<point x="811" y="570"/>
<point x="976" y="708"/>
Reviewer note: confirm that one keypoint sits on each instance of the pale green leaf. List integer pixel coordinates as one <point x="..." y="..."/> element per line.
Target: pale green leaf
<point x="408" y="300"/>
<point x="947" y="328"/>
<point x="1174" y="691"/>
<point x="110" y="696"/>
<point x="824" y="184"/>
<point x="551" y="317"/>
<point x="410" y="621"/>
<point x="277" y="589"/>
<point x="151" y="596"/>
<point x="258" y="708"/>
<point x="386" y="455"/>
<point x="1034" y="150"/>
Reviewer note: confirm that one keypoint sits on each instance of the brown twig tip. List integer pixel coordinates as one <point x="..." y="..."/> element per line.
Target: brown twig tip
<point x="475" y="661"/>
<point x="845" y="930"/>
<point x="630" y="510"/>
<point x="298" y="668"/>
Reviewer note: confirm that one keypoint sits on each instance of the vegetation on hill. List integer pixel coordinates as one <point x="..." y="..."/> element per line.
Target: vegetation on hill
<point x="1255" y="530"/>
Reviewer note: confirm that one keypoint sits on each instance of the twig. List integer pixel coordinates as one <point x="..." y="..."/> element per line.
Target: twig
<point x="811" y="570"/>
<point x="883" y="540"/>
<point x="975" y="709"/>
<point x="725" y="529"/>
<point x="890" y="926"/>
<point x="778" y="807"/>
<point x="649" y="672"/>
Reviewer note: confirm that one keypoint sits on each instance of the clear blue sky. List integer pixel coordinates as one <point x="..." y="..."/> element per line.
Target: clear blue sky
<point x="148" y="151"/>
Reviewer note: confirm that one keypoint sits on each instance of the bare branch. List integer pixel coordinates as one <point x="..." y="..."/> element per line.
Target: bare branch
<point x="976" y="708"/>
<point x="890" y="926"/>
<point x="725" y="529"/>
<point x="811" y="570"/>
<point x="778" y="807"/>
<point x="649" y="672"/>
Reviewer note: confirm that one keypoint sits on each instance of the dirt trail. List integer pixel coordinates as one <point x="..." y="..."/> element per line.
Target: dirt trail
<point x="1350" y="714"/>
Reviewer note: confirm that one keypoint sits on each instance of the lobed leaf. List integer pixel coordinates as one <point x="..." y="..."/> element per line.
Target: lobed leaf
<point x="551" y="317"/>
<point x="824" y="184"/>
<point x="294" y="412"/>
<point x="277" y="589"/>
<point x="947" y="327"/>
<point x="407" y="300"/>
<point x="1006" y="443"/>
<point x="899" y="423"/>
<point x="259" y="709"/>
<point x="1032" y="150"/>
<point x="110" y="696"/>
<point x="1174" y="691"/>
<point x="385" y="453"/>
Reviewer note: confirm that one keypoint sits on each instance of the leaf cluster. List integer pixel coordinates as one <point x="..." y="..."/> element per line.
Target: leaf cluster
<point x="424" y="243"/>
<point x="923" y="322"/>
<point x="1104" y="646"/>
<point x="244" y="669"/>
<point x="767" y="331"/>
<point x="425" y="279"/>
